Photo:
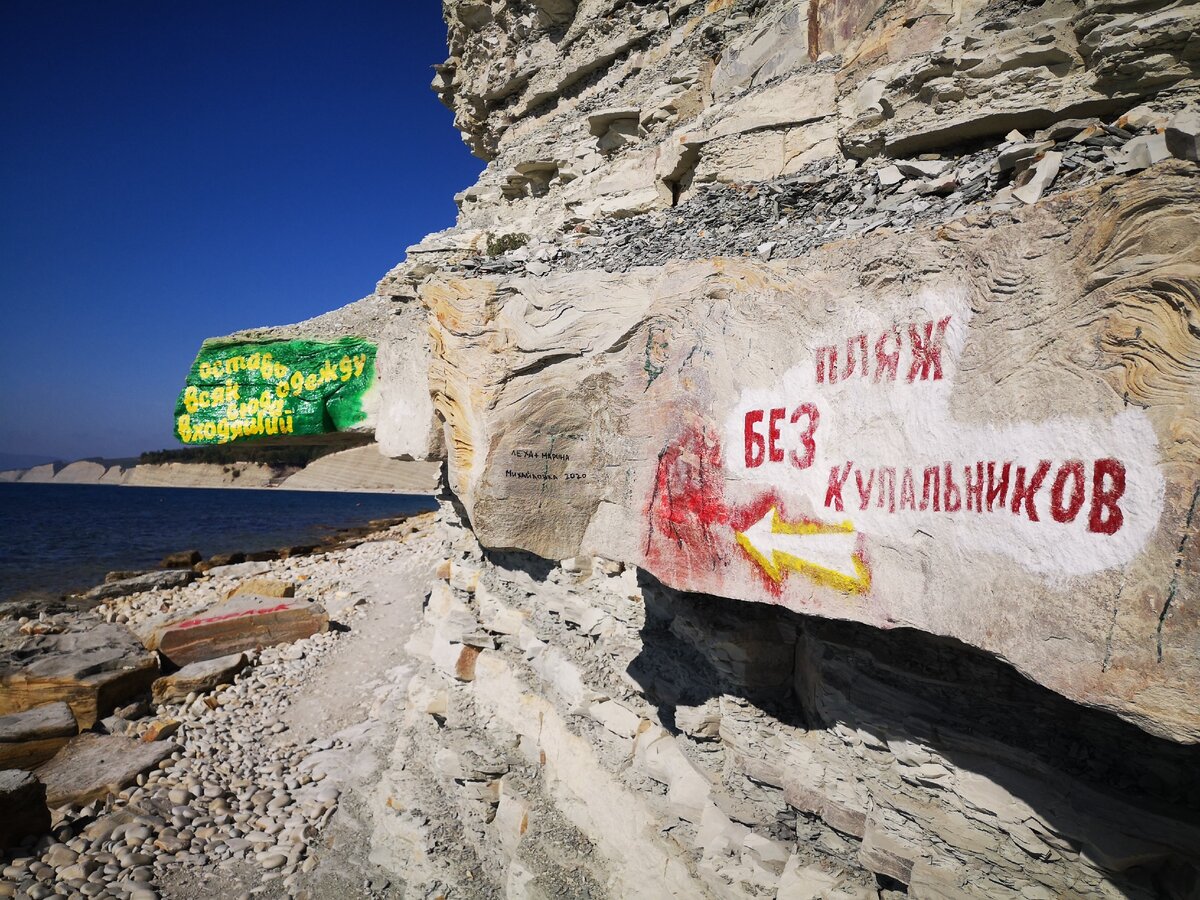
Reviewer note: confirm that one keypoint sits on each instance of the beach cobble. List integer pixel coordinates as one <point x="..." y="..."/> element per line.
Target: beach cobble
<point x="242" y="797"/>
<point x="238" y="793"/>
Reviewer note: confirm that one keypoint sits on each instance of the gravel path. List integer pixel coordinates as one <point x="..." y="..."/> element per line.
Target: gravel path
<point x="267" y="795"/>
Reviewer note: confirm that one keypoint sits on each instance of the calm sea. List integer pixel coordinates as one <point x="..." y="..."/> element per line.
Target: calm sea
<point x="63" y="537"/>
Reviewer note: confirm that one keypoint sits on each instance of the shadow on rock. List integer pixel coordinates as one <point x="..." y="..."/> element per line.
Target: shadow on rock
<point x="948" y="765"/>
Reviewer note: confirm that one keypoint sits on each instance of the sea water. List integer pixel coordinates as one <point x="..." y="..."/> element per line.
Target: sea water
<point x="57" y="538"/>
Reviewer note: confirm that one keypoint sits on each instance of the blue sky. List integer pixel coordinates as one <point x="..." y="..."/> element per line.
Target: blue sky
<point x="171" y="171"/>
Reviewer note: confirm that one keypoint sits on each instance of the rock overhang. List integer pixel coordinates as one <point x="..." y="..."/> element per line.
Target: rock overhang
<point x="985" y="431"/>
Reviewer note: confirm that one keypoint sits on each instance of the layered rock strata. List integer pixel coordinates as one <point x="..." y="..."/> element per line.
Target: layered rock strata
<point x="691" y="746"/>
<point x="857" y="341"/>
<point x="834" y="434"/>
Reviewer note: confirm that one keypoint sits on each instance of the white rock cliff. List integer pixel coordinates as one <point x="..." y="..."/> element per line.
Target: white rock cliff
<point x="867" y="334"/>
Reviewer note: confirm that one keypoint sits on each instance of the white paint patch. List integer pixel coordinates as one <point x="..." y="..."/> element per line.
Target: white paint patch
<point x="900" y="424"/>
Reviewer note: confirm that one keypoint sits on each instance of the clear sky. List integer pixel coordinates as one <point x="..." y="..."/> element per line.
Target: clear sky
<point x="171" y="171"/>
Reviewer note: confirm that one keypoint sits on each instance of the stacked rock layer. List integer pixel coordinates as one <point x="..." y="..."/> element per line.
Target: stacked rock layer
<point x="867" y="334"/>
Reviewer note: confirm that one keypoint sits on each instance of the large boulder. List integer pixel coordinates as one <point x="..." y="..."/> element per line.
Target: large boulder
<point x="989" y="432"/>
<point x="199" y="677"/>
<point x="92" y="766"/>
<point x="241" y="623"/>
<point x="33" y="736"/>
<point x="91" y="665"/>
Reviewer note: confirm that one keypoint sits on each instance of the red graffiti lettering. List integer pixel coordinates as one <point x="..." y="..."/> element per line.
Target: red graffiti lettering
<point x="974" y="487"/>
<point x="997" y="490"/>
<point x="887" y="474"/>
<point x="768" y="448"/>
<point x="806" y="436"/>
<point x="861" y="341"/>
<point x="756" y="450"/>
<point x="1023" y="493"/>
<point x="774" y="452"/>
<point x="864" y="491"/>
<point x="1105" y="517"/>
<point x="952" y="498"/>
<point x="1066" y="512"/>
<point x="837" y="481"/>
<point x="931" y="488"/>
<point x="224" y="617"/>
<point x="886" y="363"/>
<point x="925" y="343"/>
<point x="827" y="355"/>
<point x="908" y="491"/>
<point x="927" y="350"/>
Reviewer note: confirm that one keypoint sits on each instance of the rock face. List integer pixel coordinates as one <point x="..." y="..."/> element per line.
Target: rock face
<point x="91" y="665"/>
<point x="242" y="623"/>
<point x="691" y="746"/>
<point x="870" y="327"/>
<point x="33" y="736"/>
<point x="92" y="766"/>
<point x="366" y="469"/>
<point x="873" y="433"/>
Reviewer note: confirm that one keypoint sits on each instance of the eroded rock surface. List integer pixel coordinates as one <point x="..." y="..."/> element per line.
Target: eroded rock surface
<point x="198" y="677"/>
<point x="91" y="665"/>
<point x="92" y="766"/>
<point x="835" y="434"/>
<point x="33" y="736"/>
<point x="242" y="623"/>
<point x="844" y="355"/>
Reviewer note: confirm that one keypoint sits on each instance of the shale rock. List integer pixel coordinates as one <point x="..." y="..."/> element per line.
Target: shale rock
<point x="199" y="677"/>
<point x="148" y="581"/>
<point x="243" y="623"/>
<point x="826" y="435"/>
<point x="264" y="587"/>
<point x="91" y="665"/>
<point x="33" y="736"/>
<point x="92" y="766"/>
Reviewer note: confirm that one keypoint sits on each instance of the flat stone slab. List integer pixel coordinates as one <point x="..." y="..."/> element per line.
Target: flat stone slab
<point x="243" y="623"/>
<point x="93" y="766"/>
<point x="264" y="587"/>
<point x="31" y="737"/>
<point x="93" y="666"/>
<point x="240" y="570"/>
<point x="148" y="581"/>
<point x="23" y="800"/>
<point x="199" y="677"/>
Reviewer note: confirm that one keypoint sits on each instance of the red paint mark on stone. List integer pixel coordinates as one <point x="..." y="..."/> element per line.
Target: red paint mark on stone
<point x="192" y="623"/>
<point x="691" y="541"/>
<point x="687" y="516"/>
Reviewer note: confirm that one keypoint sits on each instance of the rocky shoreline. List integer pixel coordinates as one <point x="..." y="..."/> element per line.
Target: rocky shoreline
<point x="489" y="724"/>
<point x="205" y="774"/>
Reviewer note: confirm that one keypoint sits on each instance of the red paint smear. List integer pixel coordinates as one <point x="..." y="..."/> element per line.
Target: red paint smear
<point x="687" y="516"/>
<point x="690" y="543"/>
<point x="192" y="623"/>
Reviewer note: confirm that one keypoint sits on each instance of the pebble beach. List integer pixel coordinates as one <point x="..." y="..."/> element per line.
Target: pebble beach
<point x="253" y="769"/>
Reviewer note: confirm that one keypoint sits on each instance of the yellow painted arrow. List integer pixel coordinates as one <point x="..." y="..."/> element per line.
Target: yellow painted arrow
<point x="826" y="553"/>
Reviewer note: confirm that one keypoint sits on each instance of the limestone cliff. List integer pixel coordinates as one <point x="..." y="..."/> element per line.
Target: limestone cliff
<point x="868" y="334"/>
<point x="753" y="345"/>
